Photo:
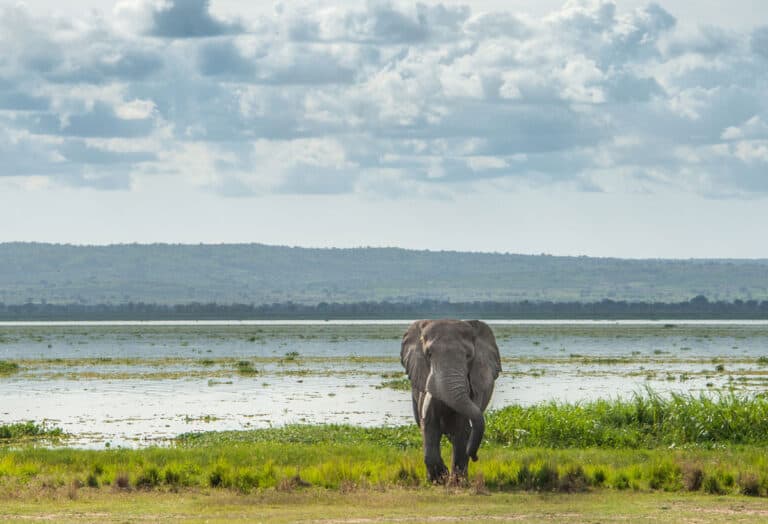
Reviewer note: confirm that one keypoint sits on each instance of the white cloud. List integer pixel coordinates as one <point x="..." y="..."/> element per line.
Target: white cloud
<point x="326" y="98"/>
<point x="135" y="109"/>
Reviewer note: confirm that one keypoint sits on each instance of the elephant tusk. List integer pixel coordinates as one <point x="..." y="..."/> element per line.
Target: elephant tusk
<point x="425" y="405"/>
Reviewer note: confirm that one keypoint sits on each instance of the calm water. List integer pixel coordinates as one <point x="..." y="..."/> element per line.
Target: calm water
<point x="136" y="383"/>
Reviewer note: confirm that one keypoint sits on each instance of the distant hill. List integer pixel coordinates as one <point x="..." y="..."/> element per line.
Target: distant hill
<point x="260" y="274"/>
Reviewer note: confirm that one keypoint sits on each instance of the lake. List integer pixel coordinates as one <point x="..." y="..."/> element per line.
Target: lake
<point x="142" y="383"/>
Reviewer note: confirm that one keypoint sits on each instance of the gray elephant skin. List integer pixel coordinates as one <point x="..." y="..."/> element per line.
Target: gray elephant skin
<point x="452" y="365"/>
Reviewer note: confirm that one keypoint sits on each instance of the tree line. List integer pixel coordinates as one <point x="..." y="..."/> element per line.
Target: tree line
<point x="698" y="307"/>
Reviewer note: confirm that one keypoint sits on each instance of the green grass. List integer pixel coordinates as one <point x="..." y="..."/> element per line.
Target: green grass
<point x="8" y="368"/>
<point x="649" y="443"/>
<point x="250" y="467"/>
<point x="645" y="421"/>
<point x="649" y="420"/>
<point x="245" y="367"/>
<point x="399" y="384"/>
<point x="28" y="431"/>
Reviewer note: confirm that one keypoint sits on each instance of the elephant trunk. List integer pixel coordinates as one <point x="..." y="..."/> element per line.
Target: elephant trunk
<point x="453" y="390"/>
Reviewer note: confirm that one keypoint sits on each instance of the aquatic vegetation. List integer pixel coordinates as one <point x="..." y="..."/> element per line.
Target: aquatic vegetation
<point x="400" y="384"/>
<point x="646" y="420"/>
<point x="8" y="368"/>
<point x="245" y="367"/>
<point x="28" y="431"/>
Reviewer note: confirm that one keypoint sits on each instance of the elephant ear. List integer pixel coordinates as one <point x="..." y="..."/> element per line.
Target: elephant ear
<point x="486" y="364"/>
<point x="412" y="356"/>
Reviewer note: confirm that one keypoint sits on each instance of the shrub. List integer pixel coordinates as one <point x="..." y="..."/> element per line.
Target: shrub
<point x="693" y="476"/>
<point x="712" y="486"/>
<point x="149" y="478"/>
<point x="217" y="477"/>
<point x="122" y="480"/>
<point x="620" y="481"/>
<point x="748" y="484"/>
<point x="573" y="480"/>
<point x="407" y="476"/>
<point x="664" y="476"/>
<point x="525" y="477"/>
<point x="171" y="477"/>
<point x="92" y="481"/>
<point x="598" y="477"/>
<point x="546" y="478"/>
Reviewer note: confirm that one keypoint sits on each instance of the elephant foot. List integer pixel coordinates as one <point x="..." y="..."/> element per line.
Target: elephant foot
<point x="458" y="480"/>
<point x="437" y="473"/>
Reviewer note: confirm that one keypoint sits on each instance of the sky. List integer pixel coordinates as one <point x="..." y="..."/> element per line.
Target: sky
<point x="623" y="129"/>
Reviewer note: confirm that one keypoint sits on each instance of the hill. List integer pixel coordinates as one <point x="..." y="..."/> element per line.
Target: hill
<point x="261" y="274"/>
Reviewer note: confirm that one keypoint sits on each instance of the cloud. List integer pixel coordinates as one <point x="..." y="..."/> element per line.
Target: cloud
<point x="188" y="19"/>
<point x="79" y="152"/>
<point x="101" y="121"/>
<point x="760" y="42"/>
<point x="289" y="64"/>
<point x="387" y="97"/>
<point x="19" y="101"/>
<point x="107" y="66"/>
<point x="222" y="58"/>
<point x="377" y="22"/>
<point x="707" y="40"/>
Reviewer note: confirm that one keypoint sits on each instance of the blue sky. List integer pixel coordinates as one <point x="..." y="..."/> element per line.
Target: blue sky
<point x="627" y="129"/>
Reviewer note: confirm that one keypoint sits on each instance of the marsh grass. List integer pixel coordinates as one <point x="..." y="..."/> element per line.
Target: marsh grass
<point x="28" y="431"/>
<point x="646" y="420"/>
<point x="700" y="444"/>
<point x="399" y="384"/>
<point x="245" y="367"/>
<point x="8" y="368"/>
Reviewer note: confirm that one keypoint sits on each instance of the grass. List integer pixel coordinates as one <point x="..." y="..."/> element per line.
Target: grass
<point x="399" y="384"/>
<point x="8" y="368"/>
<point x="645" y="421"/>
<point x="28" y="431"/>
<point x="604" y="460"/>
<point x="245" y="367"/>
<point x="677" y="443"/>
<point x="392" y="505"/>
<point x="254" y="467"/>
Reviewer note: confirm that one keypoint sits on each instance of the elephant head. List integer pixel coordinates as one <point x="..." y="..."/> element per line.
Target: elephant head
<point x="456" y="363"/>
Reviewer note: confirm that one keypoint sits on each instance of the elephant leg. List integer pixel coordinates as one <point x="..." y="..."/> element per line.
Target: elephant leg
<point x="459" y="458"/>
<point x="436" y="470"/>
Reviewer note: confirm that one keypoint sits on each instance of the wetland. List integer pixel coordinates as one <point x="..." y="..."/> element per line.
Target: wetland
<point x="137" y="384"/>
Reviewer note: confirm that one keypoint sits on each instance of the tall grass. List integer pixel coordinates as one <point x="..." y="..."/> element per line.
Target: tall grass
<point x="644" y="421"/>
<point x="648" y="442"/>
<point x="648" y="420"/>
<point x="21" y="431"/>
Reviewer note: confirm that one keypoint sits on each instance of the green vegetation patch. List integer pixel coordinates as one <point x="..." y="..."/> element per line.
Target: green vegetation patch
<point x="648" y="421"/>
<point x="8" y="368"/>
<point x="400" y="384"/>
<point x="254" y="467"/>
<point x="644" y="421"/>
<point x="26" y="431"/>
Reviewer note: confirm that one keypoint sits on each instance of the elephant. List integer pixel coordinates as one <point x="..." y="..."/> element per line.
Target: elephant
<point x="452" y="366"/>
